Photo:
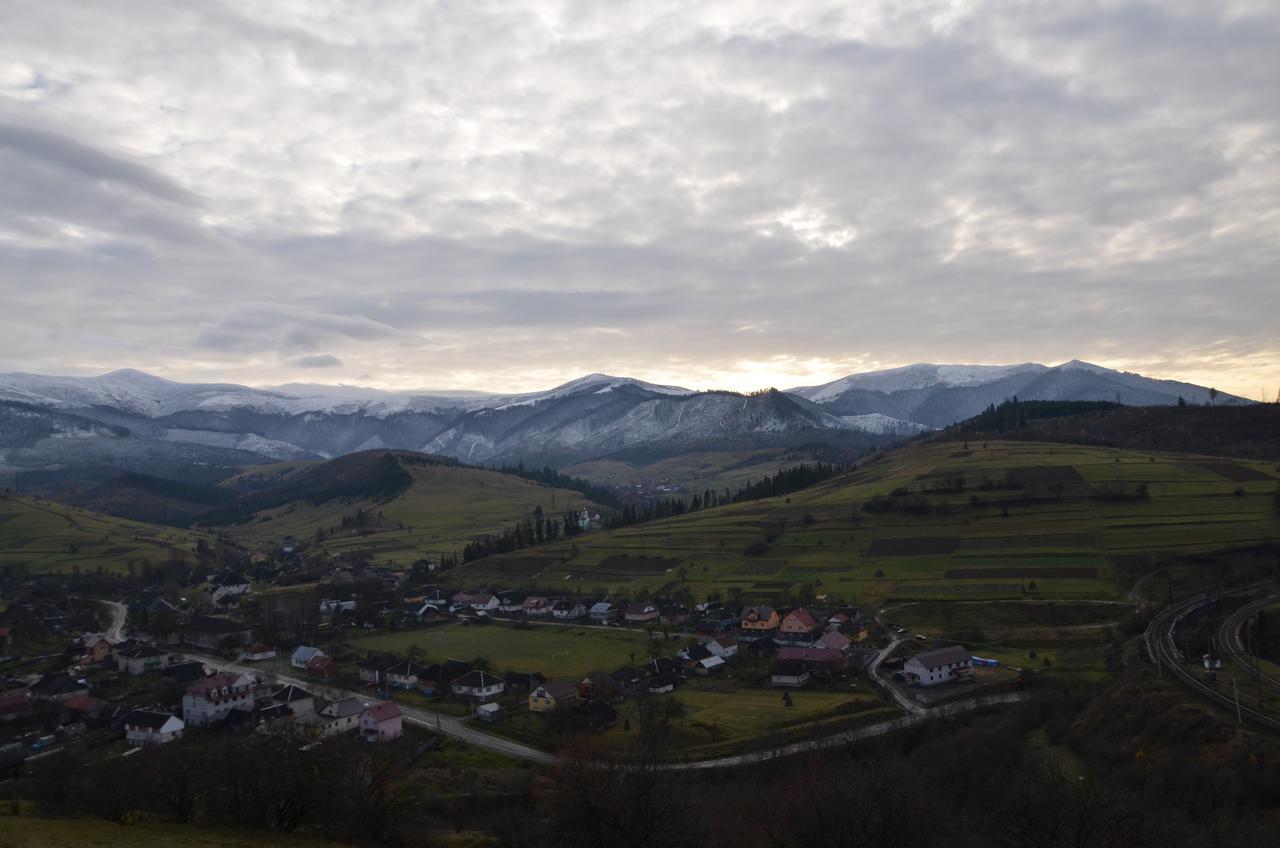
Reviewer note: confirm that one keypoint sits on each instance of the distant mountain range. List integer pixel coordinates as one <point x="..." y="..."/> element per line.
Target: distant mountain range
<point x="131" y="421"/>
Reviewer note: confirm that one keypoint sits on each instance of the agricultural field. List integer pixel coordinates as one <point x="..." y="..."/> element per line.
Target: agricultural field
<point x="722" y="716"/>
<point x="555" y="651"/>
<point x="983" y="521"/>
<point x="445" y="507"/>
<point x="692" y="472"/>
<point x="44" y="536"/>
<point x="1071" y="636"/>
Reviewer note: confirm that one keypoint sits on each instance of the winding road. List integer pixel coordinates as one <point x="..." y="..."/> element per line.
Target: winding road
<point x="457" y="727"/>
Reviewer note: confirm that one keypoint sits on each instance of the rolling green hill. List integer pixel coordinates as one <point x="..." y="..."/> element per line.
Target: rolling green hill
<point x="394" y="505"/>
<point x="41" y="535"/>
<point x="934" y="520"/>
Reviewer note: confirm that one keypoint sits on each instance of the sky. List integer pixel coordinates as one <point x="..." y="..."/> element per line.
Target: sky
<point x="507" y="195"/>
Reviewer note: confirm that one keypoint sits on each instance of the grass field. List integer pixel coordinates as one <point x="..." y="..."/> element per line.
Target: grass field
<point x="444" y="508"/>
<point x="28" y="832"/>
<point x="568" y="652"/>
<point x="1057" y="529"/>
<point x="693" y="472"/>
<point x="40" y="535"/>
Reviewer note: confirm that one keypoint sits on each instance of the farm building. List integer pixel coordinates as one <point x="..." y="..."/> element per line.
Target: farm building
<point x="939" y="666"/>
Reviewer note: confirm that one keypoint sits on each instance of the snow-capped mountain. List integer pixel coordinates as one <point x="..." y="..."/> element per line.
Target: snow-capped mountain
<point x="137" y="422"/>
<point x="938" y="395"/>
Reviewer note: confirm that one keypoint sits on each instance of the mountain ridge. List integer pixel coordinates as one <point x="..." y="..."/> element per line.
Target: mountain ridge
<point x="128" y="419"/>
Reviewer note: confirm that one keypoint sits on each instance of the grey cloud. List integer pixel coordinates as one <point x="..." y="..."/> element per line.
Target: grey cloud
<point x="852" y="182"/>
<point x="316" y="360"/>
<point x="92" y="163"/>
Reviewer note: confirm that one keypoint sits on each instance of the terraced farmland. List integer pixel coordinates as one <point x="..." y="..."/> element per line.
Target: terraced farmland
<point x="994" y="520"/>
<point x="43" y="536"/>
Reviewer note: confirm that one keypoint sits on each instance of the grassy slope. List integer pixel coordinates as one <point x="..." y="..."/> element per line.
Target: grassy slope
<point x="42" y="535"/>
<point x="28" y="832"/>
<point x="445" y="507"/>
<point x="1192" y="509"/>
<point x="692" y="472"/>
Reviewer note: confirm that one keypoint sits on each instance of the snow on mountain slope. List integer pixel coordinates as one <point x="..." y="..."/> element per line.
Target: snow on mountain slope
<point x="914" y="377"/>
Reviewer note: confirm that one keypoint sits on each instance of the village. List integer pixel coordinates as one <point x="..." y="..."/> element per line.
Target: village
<point x="224" y="663"/>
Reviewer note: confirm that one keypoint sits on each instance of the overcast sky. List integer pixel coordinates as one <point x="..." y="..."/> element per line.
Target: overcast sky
<point x="507" y="195"/>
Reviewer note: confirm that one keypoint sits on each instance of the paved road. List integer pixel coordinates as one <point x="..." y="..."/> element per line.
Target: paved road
<point x="119" y="615"/>
<point x="457" y="728"/>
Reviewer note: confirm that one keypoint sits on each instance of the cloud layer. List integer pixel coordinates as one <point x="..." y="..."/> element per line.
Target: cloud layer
<point x="506" y="195"/>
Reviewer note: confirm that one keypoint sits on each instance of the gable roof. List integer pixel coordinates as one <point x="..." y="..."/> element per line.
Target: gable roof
<point x="941" y="657"/>
<point x="834" y="639"/>
<point x="382" y="712"/>
<point x="559" y="689"/>
<point x="803" y="617"/>
<point x="478" y="679"/>
<point x="209" y="685"/>
<point x="291" y="693"/>
<point x="789" y="668"/>
<point x="150" y="719"/>
<point x="343" y="709"/>
<point x="304" y="653"/>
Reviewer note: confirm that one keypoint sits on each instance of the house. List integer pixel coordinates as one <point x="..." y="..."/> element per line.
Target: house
<point x="708" y="665"/>
<point x="257" y="652"/>
<point x="713" y="622"/>
<point x="834" y="640"/>
<point x="478" y="686"/>
<point x="536" y="606"/>
<point x="404" y="675"/>
<point x="674" y="615"/>
<point x="429" y="679"/>
<point x="139" y="659"/>
<point x="812" y="658"/>
<point x="490" y="713"/>
<point x="476" y="600"/>
<point x="229" y="585"/>
<point x="95" y="647"/>
<point x="790" y="674"/>
<point x="641" y="613"/>
<point x="568" y="610"/>
<point x="152" y="727"/>
<point x="510" y="603"/>
<point x="212" y="698"/>
<point x="56" y="688"/>
<point x="756" y="622"/>
<point x="373" y="668"/>
<point x="333" y="606"/>
<point x="552" y="695"/>
<point x="603" y="613"/>
<point x="660" y="684"/>
<point x="661" y="665"/>
<point x="339" y="716"/>
<point x="930" y="668"/>
<point x="519" y="681"/>
<point x="302" y="655"/>
<point x="722" y="646"/>
<point x="322" y="667"/>
<point x="696" y="653"/>
<point x="299" y="701"/>
<point x="595" y="715"/>
<point x="381" y="723"/>
<point x="797" y="628"/>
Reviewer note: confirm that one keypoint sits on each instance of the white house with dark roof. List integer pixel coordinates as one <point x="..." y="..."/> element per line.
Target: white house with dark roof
<point x="478" y="686"/>
<point x="152" y="727"/>
<point x="297" y="699"/>
<point x="938" y="666"/>
<point x="340" y="716"/>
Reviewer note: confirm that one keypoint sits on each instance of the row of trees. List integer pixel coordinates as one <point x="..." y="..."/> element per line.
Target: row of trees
<point x="536" y="530"/>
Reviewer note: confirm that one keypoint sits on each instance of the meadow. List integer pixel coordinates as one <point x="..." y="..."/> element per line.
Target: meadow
<point x="983" y="521"/>
<point x="444" y="508"/>
<point x="557" y="652"/>
<point x="29" y="832"/>
<point x="44" y="536"/>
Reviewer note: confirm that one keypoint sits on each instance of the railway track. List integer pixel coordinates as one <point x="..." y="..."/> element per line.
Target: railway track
<point x="1163" y="650"/>
<point x="1228" y="639"/>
